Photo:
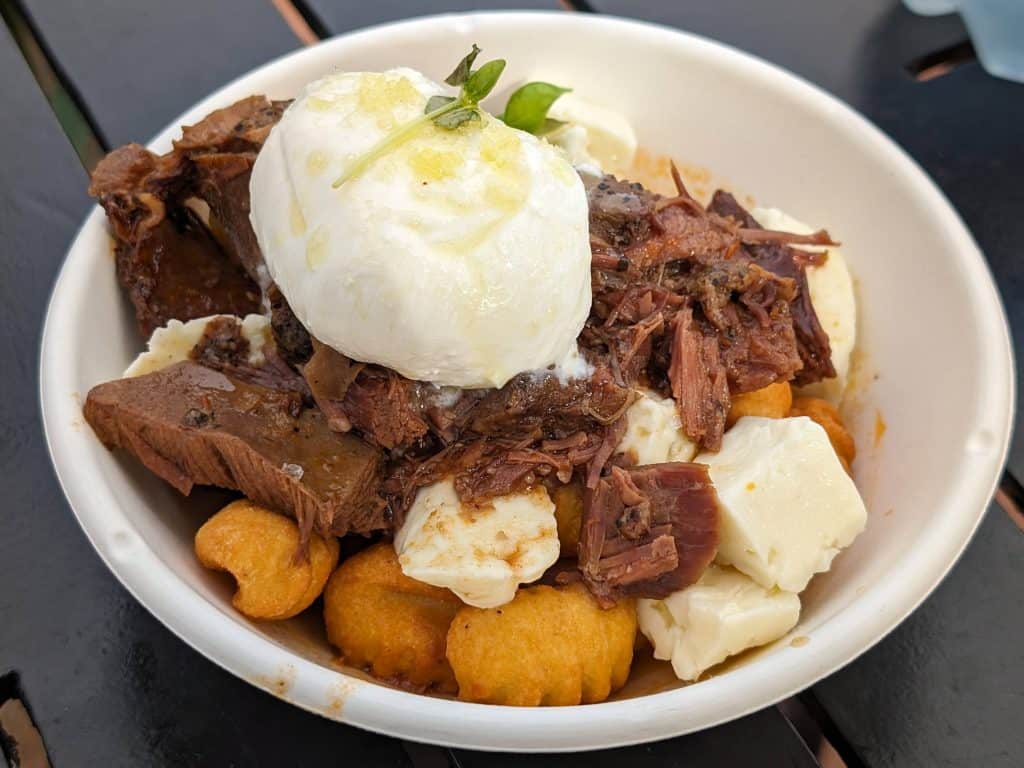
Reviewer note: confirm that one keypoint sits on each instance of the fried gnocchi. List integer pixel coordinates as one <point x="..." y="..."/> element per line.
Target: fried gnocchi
<point x="383" y="621"/>
<point x="260" y="549"/>
<point x="827" y="416"/>
<point x="549" y="646"/>
<point x="773" y="402"/>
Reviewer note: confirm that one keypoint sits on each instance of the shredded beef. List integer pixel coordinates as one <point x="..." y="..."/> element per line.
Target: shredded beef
<point x="648" y="531"/>
<point x="545" y="406"/>
<point x="699" y="383"/>
<point x="620" y="211"/>
<point x="779" y="259"/>
<point x="195" y="426"/>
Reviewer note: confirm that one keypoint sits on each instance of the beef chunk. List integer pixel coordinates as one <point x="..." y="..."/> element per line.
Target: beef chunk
<point x="222" y="180"/>
<point x="620" y="211"/>
<point x="195" y="426"/>
<point x="699" y="383"/>
<point x="329" y="375"/>
<point x="385" y="408"/>
<point x="223" y="348"/>
<point x="648" y="531"/>
<point x="176" y="270"/>
<point x="293" y="340"/>
<point x="778" y="258"/>
<point x="544" y="406"/>
<point x="222" y="148"/>
<point x="167" y="260"/>
<point x="222" y="344"/>
<point x="240" y="127"/>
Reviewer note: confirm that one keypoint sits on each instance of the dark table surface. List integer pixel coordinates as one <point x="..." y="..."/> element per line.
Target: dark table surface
<point x="107" y="685"/>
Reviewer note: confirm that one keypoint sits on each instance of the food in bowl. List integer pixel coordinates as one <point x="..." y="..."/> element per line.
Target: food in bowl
<point x="557" y="406"/>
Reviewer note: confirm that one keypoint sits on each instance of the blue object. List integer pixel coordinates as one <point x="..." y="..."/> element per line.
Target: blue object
<point x="996" y="28"/>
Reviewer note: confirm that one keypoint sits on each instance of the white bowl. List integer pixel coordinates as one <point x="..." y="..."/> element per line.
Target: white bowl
<point x="935" y="362"/>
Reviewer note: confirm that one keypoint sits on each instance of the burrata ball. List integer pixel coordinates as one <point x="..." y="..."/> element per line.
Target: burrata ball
<point x="460" y="256"/>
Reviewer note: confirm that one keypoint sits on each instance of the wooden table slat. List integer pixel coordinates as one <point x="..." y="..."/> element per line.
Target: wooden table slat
<point x="945" y="688"/>
<point x="137" y="65"/>
<point x="763" y="739"/>
<point x="344" y="17"/>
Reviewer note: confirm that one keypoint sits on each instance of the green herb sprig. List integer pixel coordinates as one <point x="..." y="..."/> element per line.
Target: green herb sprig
<point x="526" y="110"/>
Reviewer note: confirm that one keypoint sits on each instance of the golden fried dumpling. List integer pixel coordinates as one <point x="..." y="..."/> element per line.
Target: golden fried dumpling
<point x="549" y="646"/>
<point x="258" y="547"/>
<point x="383" y="621"/>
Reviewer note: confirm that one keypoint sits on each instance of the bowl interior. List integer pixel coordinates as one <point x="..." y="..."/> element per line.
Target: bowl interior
<point x="933" y="365"/>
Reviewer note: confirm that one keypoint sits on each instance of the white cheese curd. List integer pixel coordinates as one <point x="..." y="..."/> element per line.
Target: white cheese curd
<point x="653" y="431"/>
<point x="723" y="613"/>
<point x="483" y="552"/>
<point x="598" y="136"/>
<point x="172" y="343"/>
<point x="459" y="257"/>
<point x="834" y="302"/>
<point x="787" y="504"/>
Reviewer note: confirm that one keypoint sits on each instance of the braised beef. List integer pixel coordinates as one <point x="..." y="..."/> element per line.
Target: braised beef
<point x="167" y="260"/>
<point x="293" y="340"/>
<point x="544" y="406"/>
<point x="382" y="405"/>
<point x="648" y="531"/>
<point x="222" y="148"/>
<point x="222" y="180"/>
<point x="176" y="270"/>
<point x="329" y="375"/>
<point x="240" y="127"/>
<point x="778" y="258"/>
<point x="620" y="211"/>
<point x="699" y="382"/>
<point x="192" y="425"/>
<point x="222" y="347"/>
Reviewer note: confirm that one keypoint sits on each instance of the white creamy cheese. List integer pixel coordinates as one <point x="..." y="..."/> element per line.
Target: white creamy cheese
<point x="722" y="614"/>
<point x="788" y="505"/>
<point x="596" y="134"/>
<point x="459" y="257"/>
<point x="172" y="343"/>
<point x="834" y="302"/>
<point x="483" y="552"/>
<point x="653" y="431"/>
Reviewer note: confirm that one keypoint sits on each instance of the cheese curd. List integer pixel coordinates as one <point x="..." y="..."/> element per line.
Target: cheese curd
<point x="788" y="505"/>
<point x="459" y="257"/>
<point x="653" y="431"/>
<point x="723" y="613"/>
<point x="172" y="343"/>
<point x="831" y="289"/>
<point x="483" y="552"/>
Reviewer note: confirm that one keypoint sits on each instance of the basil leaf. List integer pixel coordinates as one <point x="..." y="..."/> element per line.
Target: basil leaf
<point x="462" y="72"/>
<point x="456" y="118"/>
<point x="436" y="102"/>
<point x="482" y="81"/>
<point x="528" y="106"/>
